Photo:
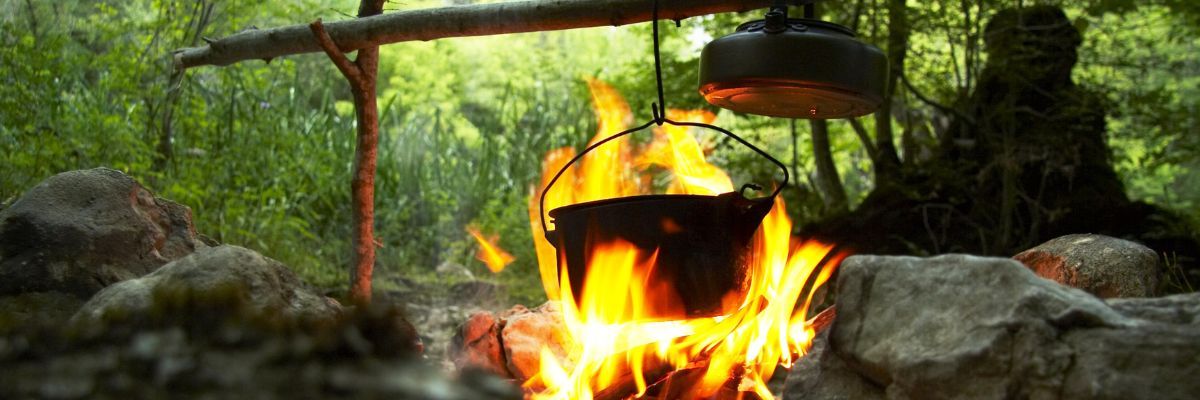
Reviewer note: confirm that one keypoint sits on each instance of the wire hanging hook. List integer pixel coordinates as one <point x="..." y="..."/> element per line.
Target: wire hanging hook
<point x="658" y="110"/>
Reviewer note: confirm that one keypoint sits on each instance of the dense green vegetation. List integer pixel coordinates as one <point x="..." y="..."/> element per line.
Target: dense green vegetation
<point x="261" y="152"/>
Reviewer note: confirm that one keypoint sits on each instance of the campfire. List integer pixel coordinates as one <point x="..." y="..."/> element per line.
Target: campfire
<point x="629" y="330"/>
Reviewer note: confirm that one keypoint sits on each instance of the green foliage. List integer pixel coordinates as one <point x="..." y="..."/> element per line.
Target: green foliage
<point x="1147" y="69"/>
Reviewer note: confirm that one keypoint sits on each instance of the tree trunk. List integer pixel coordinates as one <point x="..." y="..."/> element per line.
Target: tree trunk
<point x="166" y="131"/>
<point x="888" y="162"/>
<point x="828" y="179"/>
<point x="201" y="15"/>
<point x="445" y="22"/>
<point x="865" y="138"/>
<point x="362" y="77"/>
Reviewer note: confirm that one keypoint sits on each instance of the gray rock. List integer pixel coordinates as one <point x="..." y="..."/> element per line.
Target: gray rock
<point x="1104" y="266"/>
<point x="479" y="293"/>
<point x="261" y="361"/>
<point x="453" y="269"/>
<point x="79" y="231"/>
<point x="822" y="375"/>
<point x="267" y="284"/>
<point x="970" y="327"/>
<point x="36" y="309"/>
<point x="1175" y="309"/>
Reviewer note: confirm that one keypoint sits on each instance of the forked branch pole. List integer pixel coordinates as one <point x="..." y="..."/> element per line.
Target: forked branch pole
<point x="348" y="69"/>
<point x="361" y="74"/>
<point x="446" y="22"/>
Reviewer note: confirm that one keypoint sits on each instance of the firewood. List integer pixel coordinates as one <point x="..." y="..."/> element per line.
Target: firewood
<point x="626" y="386"/>
<point x="663" y="377"/>
<point x="823" y="319"/>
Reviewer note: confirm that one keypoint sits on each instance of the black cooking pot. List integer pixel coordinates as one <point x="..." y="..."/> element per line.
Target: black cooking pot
<point x="702" y="243"/>
<point x="794" y="68"/>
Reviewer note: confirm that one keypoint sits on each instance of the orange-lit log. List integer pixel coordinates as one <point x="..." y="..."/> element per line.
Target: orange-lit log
<point x="659" y="372"/>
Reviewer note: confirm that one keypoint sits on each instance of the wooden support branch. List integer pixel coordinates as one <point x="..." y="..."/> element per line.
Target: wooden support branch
<point x="343" y="63"/>
<point x="446" y="22"/>
<point x="362" y="75"/>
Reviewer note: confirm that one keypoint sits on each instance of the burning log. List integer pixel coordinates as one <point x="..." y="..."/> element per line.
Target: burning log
<point x="627" y="386"/>
<point x="682" y="384"/>
<point x="823" y="319"/>
<point x="667" y="381"/>
<point x="486" y="341"/>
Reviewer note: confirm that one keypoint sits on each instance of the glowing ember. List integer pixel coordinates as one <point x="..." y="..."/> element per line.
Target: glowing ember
<point x="738" y="351"/>
<point x="491" y="254"/>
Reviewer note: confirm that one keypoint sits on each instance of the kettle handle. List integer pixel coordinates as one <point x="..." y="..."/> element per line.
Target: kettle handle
<point x="659" y="120"/>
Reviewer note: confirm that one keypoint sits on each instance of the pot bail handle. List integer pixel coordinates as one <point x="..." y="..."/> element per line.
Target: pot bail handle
<point x="659" y="119"/>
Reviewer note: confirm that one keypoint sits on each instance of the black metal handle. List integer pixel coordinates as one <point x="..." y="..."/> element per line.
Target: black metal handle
<point x="659" y="110"/>
<point x="660" y="120"/>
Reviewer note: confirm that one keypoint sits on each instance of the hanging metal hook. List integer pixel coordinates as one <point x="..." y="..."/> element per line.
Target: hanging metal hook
<point x="659" y="110"/>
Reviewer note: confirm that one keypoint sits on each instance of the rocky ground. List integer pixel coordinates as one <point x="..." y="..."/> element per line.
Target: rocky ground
<point x="1074" y="318"/>
<point x="108" y="291"/>
<point x="960" y="326"/>
<point x="438" y="309"/>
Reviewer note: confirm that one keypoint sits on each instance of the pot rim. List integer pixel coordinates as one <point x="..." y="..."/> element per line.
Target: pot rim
<point x="640" y="198"/>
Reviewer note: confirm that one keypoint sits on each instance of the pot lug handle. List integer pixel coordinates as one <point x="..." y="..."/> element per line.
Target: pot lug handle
<point x="752" y="186"/>
<point x="658" y="120"/>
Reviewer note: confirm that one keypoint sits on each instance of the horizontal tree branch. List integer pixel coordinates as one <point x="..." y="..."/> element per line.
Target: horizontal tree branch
<point x="453" y="21"/>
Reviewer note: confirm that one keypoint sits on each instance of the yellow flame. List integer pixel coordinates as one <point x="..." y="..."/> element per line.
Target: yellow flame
<point x="490" y="253"/>
<point x="610" y="160"/>
<point x="768" y="328"/>
<point x="676" y="150"/>
<point x="558" y="196"/>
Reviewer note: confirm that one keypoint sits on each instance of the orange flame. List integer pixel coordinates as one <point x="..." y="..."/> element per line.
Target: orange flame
<point x="674" y="149"/>
<point x="610" y="160"/>
<point x="491" y="254"/>
<point x="768" y="328"/>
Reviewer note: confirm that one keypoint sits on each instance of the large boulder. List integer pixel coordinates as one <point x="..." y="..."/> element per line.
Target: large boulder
<point x="822" y="375"/>
<point x="79" y="231"/>
<point x="264" y="284"/>
<point x="1104" y="266"/>
<point x="970" y="327"/>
